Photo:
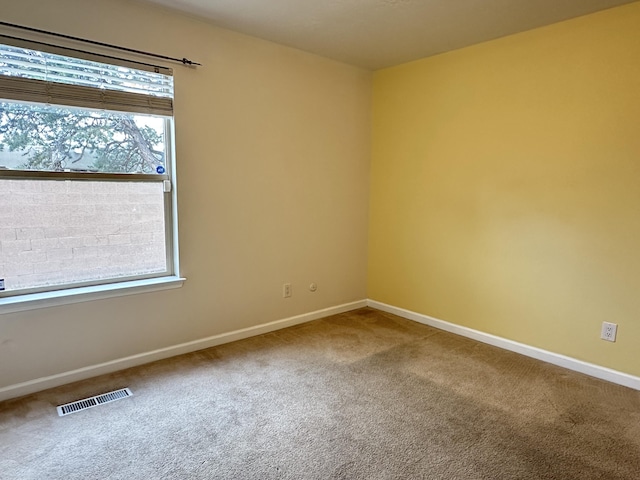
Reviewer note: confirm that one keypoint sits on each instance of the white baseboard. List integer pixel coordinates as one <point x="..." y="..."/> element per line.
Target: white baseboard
<point x="32" y="386"/>
<point x="591" y="369"/>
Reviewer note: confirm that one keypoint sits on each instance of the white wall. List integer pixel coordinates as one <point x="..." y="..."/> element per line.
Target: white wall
<point x="272" y="151"/>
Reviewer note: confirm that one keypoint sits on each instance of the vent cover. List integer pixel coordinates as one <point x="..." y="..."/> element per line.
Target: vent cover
<point x="91" y="402"/>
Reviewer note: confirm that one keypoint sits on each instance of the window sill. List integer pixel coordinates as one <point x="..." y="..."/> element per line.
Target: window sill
<point x="85" y="294"/>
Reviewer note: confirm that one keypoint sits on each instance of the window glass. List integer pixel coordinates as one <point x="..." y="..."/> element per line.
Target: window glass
<point x="52" y="138"/>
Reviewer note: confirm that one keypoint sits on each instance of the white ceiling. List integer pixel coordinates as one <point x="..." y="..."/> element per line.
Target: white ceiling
<point x="380" y="33"/>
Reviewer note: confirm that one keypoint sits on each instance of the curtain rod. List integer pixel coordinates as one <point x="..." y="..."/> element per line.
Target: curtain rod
<point x="183" y="61"/>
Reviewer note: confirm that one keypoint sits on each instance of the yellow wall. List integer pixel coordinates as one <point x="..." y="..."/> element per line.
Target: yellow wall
<point x="505" y="187"/>
<point x="273" y="151"/>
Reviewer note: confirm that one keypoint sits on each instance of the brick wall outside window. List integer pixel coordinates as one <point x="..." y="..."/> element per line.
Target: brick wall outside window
<point x="58" y="232"/>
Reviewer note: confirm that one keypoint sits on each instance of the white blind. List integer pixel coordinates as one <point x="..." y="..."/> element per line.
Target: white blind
<point x="34" y="76"/>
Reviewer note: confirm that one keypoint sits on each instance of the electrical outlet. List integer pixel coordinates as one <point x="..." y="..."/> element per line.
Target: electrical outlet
<point x="286" y="290"/>
<point x="609" y="331"/>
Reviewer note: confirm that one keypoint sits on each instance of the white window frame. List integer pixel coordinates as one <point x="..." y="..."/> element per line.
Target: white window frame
<point x="40" y="297"/>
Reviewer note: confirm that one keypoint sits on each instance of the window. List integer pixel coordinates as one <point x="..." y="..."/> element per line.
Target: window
<point x="86" y="173"/>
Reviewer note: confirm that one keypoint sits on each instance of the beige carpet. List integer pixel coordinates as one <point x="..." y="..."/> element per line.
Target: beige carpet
<point x="363" y="395"/>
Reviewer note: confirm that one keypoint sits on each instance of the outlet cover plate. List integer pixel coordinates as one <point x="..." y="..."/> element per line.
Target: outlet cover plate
<point x="609" y="331"/>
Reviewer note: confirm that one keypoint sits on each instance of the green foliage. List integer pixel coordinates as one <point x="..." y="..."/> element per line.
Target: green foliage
<point x="56" y="138"/>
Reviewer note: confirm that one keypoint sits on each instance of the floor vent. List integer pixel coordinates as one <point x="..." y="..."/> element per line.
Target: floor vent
<point x="91" y="402"/>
